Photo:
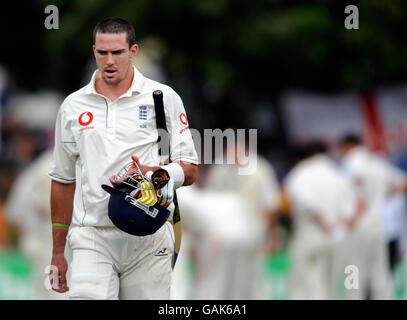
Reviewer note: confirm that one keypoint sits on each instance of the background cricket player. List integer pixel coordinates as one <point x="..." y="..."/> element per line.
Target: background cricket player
<point x="375" y="180"/>
<point x="324" y="207"/>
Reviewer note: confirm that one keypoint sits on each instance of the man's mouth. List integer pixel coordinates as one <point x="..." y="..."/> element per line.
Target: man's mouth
<point x="110" y="72"/>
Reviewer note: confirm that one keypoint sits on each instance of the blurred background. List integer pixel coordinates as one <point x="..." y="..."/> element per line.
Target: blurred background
<point x="289" y="69"/>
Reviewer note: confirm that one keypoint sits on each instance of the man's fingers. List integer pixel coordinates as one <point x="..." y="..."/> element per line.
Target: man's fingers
<point x="61" y="286"/>
<point x="57" y="277"/>
<point x="61" y="289"/>
<point x="114" y="180"/>
<point x="135" y="159"/>
<point x="144" y="169"/>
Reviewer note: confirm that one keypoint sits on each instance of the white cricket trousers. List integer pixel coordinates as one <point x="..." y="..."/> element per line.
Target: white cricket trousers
<point x="109" y="264"/>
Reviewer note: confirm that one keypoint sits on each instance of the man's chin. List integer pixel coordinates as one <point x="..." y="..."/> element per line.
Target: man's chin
<point x="111" y="81"/>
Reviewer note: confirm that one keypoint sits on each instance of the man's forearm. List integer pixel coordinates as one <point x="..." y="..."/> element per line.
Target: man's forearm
<point x="318" y="218"/>
<point x="61" y="213"/>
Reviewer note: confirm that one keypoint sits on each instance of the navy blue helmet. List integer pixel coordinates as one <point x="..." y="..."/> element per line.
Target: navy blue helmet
<point x="135" y="202"/>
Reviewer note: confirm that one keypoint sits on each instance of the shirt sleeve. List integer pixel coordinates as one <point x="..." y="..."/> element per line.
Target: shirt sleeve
<point x="182" y="146"/>
<point x="65" y="152"/>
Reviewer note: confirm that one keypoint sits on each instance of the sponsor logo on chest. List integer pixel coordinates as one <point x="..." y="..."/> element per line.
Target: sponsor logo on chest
<point x="85" y="119"/>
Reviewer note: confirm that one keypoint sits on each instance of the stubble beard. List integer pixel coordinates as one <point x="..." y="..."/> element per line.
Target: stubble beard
<point x="111" y="82"/>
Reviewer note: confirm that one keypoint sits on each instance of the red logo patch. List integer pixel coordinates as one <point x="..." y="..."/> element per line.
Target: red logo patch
<point x="183" y="119"/>
<point x="85" y="118"/>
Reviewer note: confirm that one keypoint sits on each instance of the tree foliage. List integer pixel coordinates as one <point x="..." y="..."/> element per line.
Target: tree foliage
<point x="247" y="51"/>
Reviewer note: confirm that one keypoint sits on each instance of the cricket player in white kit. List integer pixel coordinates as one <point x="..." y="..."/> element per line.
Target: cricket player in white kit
<point x="99" y="129"/>
<point x="323" y="206"/>
<point x="376" y="180"/>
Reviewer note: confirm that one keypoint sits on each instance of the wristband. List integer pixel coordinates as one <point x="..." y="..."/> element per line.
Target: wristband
<point x="63" y="225"/>
<point x="148" y="175"/>
<point x="176" y="174"/>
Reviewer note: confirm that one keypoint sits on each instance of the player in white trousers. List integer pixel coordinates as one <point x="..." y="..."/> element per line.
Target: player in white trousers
<point x="323" y="206"/>
<point x="98" y="129"/>
<point x="376" y="180"/>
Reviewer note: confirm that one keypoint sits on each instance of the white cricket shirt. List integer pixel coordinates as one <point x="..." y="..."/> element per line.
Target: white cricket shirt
<point x="317" y="185"/>
<point x="259" y="190"/>
<point x="95" y="138"/>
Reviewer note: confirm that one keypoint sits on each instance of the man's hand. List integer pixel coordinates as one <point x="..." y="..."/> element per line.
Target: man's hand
<point x="58" y="281"/>
<point x="115" y="180"/>
<point x="143" y="168"/>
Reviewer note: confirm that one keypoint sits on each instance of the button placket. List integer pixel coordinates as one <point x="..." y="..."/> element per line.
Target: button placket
<point x="111" y="121"/>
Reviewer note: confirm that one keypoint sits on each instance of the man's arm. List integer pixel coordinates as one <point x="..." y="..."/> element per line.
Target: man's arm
<point x="320" y="221"/>
<point x="61" y="213"/>
<point x="272" y="240"/>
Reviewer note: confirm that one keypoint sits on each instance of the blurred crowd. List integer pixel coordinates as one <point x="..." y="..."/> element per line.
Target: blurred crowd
<point x="338" y="213"/>
<point x="346" y="236"/>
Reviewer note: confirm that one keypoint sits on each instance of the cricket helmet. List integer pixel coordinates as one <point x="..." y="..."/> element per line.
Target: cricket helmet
<point x="134" y="205"/>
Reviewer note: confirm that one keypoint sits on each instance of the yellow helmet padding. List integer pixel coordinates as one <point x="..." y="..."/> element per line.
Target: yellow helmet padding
<point x="148" y="194"/>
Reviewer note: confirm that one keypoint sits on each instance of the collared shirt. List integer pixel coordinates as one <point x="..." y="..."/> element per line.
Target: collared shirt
<point x="95" y="138"/>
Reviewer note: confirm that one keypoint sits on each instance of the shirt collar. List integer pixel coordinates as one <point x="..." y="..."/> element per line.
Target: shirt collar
<point x="136" y="85"/>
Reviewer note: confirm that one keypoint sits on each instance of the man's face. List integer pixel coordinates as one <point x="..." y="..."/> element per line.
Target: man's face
<point x="113" y="56"/>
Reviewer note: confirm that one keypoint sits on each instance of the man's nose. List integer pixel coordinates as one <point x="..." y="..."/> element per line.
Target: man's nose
<point x="110" y="59"/>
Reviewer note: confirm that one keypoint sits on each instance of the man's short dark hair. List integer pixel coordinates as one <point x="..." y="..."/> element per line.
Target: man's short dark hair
<point x="351" y="138"/>
<point x="314" y="147"/>
<point x="116" y="25"/>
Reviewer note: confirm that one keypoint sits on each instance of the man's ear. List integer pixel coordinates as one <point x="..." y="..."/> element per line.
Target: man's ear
<point x="133" y="50"/>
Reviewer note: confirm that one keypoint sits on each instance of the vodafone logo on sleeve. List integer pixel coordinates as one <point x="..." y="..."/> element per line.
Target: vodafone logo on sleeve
<point x="85" y="119"/>
<point x="184" y="121"/>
